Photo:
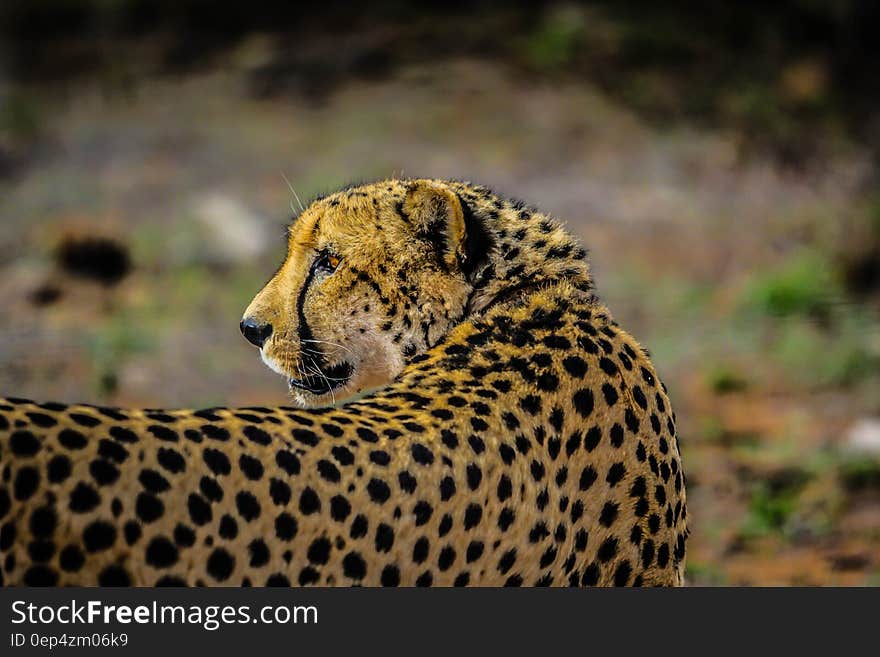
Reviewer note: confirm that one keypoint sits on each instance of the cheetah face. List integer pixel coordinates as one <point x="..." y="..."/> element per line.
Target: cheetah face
<point x="373" y="276"/>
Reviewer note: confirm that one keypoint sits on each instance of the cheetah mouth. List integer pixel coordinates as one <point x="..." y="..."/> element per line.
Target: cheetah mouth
<point x="330" y="378"/>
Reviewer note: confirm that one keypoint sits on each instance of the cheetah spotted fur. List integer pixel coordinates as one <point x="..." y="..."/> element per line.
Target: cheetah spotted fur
<point x="465" y="412"/>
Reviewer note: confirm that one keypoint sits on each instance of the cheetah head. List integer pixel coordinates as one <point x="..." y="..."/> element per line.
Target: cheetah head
<point x="373" y="276"/>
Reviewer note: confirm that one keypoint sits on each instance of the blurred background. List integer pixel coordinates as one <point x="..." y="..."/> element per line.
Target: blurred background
<point x="720" y="164"/>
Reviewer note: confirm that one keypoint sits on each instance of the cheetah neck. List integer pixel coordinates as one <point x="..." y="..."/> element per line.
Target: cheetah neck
<point x="526" y="250"/>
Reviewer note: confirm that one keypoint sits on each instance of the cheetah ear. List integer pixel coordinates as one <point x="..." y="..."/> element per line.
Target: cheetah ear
<point x="440" y="218"/>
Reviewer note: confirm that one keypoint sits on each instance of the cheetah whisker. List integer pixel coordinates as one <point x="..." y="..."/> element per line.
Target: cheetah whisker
<point x="332" y="344"/>
<point x="295" y="195"/>
<point x="326" y="380"/>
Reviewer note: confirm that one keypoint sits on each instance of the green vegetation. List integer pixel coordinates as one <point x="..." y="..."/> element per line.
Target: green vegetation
<point x="554" y="44"/>
<point x="808" y="499"/>
<point x="711" y="429"/>
<point x="20" y="117"/>
<point x="804" y="285"/>
<point x="724" y="380"/>
<point x="113" y="343"/>
<point x="810" y="325"/>
<point x="874" y="215"/>
<point x="773" y="501"/>
<point x="860" y="473"/>
<point x="845" y="354"/>
<point x="704" y="574"/>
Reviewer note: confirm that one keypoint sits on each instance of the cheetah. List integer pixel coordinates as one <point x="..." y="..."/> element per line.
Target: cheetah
<point x="464" y="411"/>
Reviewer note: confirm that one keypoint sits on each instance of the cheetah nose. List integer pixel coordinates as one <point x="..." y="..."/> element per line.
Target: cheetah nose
<point x="254" y="332"/>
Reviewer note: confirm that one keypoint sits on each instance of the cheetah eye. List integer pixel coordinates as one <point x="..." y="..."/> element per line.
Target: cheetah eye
<point x="327" y="262"/>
